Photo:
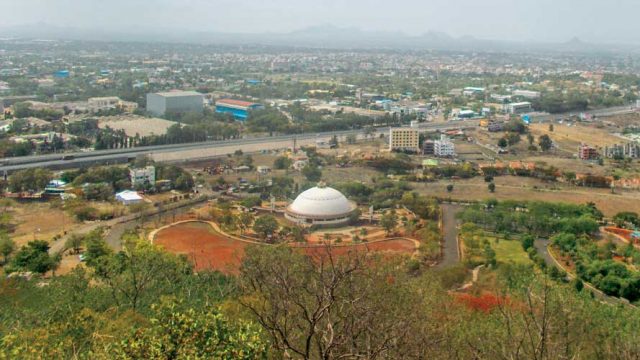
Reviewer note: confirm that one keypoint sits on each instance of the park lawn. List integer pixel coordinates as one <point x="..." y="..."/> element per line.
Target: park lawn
<point x="509" y="251"/>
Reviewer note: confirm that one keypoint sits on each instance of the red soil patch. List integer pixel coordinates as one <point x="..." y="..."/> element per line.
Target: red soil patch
<point x="208" y="250"/>
<point x="626" y="234"/>
<point x="204" y="247"/>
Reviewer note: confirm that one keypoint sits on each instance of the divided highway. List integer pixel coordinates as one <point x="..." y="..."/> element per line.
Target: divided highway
<point x="190" y="151"/>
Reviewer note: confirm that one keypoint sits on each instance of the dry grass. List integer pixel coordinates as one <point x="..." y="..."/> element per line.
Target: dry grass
<point x="39" y="220"/>
<point x="133" y="125"/>
<point x="569" y="138"/>
<point x="516" y="188"/>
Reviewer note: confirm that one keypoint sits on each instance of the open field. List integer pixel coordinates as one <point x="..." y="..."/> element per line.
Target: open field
<point x="133" y="125"/>
<point x="569" y="137"/>
<point x="39" y="220"/>
<point x="520" y="188"/>
<point x="209" y="250"/>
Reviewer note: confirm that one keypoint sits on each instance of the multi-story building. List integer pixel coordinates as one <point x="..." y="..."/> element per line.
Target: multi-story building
<point x="175" y="102"/>
<point x="444" y="147"/>
<point x="518" y="108"/>
<point x="628" y="150"/>
<point x="586" y="152"/>
<point x="142" y="177"/>
<point x="470" y="91"/>
<point x="428" y="147"/>
<point x="238" y="108"/>
<point x="404" y="139"/>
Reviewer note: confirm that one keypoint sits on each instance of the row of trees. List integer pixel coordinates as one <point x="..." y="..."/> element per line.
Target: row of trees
<point x="536" y="218"/>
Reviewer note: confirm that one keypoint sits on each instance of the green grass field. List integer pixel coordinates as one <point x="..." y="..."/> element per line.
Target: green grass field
<point x="509" y="251"/>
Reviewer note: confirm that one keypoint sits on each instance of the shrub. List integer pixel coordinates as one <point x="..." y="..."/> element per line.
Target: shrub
<point x="86" y="213"/>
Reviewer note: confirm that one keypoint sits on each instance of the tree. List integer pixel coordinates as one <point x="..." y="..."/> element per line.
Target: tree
<point x="545" y="142"/>
<point x="489" y="255"/>
<point x="503" y="143"/>
<point x="492" y="187"/>
<point x="527" y="242"/>
<point x="450" y="188"/>
<point x="550" y="127"/>
<point x="74" y="242"/>
<point x="328" y="308"/>
<point x="488" y="178"/>
<point x="245" y="220"/>
<point x="96" y="247"/>
<point x="99" y="192"/>
<point x="530" y="139"/>
<point x="312" y="173"/>
<point x="351" y="139"/>
<point x="389" y="221"/>
<point x="140" y="271"/>
<point x="265" y="226"/>
<point x="30" y="180"/>
<point x="33" y="257"/>
<point x="626" y="219"/>
<point x="175" y="333"/>
<point x="7" y="246"/>
<point x="282" y="163"/>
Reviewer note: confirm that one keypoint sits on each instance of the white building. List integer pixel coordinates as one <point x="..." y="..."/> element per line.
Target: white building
<point x="142" y="176"/>
<point x="321" y="206"/>
<point x="263" y="170"/>
<point x="444" y="147"/>
<point x="470" y="91"/>
<point x="404" y="139"/>
<point x="128" y="197"/>
<point x="175" y="102"/>
<point x="518" y="108"/>
<point x="99" y="103"/>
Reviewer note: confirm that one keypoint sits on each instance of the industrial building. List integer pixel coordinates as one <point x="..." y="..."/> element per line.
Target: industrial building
<point x="321" y="206"/>
<point x="175" y="102"/>
<point x="518" y="108"/>
<point x="404" y="139"/>
<point x="238" y="108"/>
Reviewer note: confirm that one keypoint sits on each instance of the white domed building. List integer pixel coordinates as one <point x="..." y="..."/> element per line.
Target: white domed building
<point x="321" y="206"/>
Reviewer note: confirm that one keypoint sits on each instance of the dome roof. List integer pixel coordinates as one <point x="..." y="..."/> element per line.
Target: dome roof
<point x="321" y="201"/>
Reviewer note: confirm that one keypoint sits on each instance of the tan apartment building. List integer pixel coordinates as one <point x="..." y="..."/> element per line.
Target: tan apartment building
<point x="404" y="139"/>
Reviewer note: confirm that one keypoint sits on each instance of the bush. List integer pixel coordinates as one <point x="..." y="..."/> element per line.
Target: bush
<point x="86" y="213"/>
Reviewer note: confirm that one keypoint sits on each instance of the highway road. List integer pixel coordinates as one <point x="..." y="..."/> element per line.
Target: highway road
<point x="192" y="151"/>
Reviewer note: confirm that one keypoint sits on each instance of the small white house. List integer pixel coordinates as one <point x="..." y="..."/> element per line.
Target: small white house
<point x="128" y="197"/>
<point x="263" y="170"/>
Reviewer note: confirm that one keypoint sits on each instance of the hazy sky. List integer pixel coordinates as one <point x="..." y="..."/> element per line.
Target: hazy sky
<point x="541" y="20"/>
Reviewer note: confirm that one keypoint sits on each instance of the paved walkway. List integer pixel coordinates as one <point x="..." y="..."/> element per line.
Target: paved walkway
<point x="450" y="247"/>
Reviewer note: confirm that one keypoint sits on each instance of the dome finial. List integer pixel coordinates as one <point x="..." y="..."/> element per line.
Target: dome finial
<point x="322" y="184"/>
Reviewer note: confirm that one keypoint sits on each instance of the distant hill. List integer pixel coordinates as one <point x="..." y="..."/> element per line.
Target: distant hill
<point x="323" y="36"/>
